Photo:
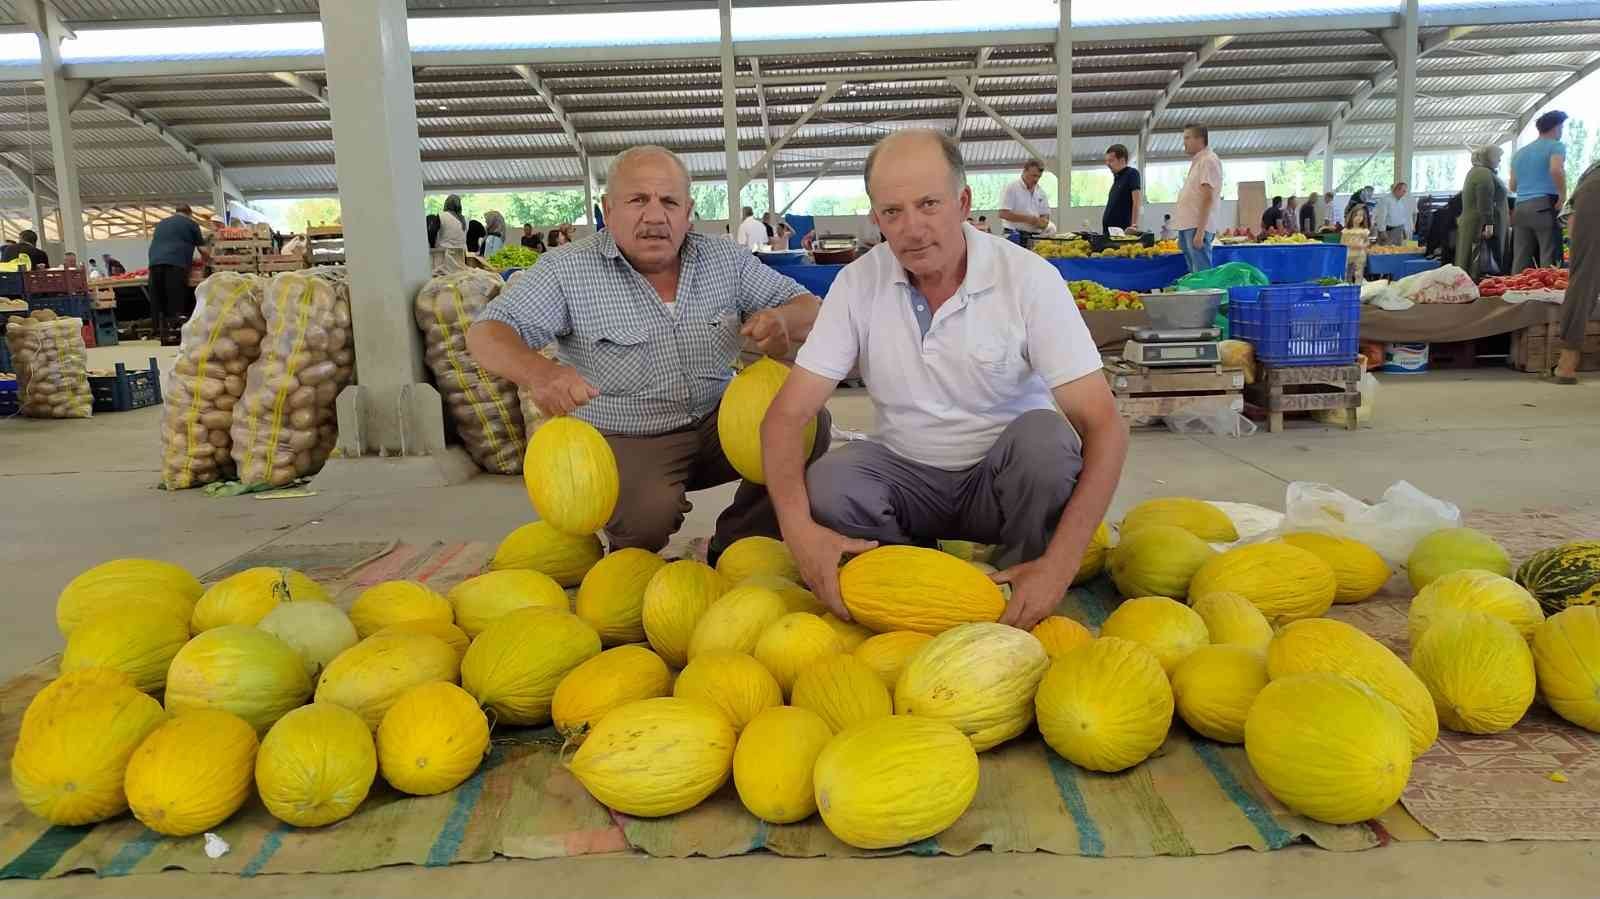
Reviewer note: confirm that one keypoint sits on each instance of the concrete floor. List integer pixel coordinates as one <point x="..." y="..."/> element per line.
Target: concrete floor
<point x="80" y="492"/>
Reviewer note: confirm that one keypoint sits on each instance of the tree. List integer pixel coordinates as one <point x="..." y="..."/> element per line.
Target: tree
<point x="1582" y="147"/>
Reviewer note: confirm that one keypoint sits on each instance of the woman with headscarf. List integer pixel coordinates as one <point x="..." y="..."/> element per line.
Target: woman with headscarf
<point x="452" y="226"/>
<point x="494" y="237"/>
<point x="1583" y="287"/>
<point x="1481" y="230"/>
<point x="475" y="234"/>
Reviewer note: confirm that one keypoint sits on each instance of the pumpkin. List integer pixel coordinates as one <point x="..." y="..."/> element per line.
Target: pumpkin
<point x="192" y="773"/>
<point x="1157" y="560"/>
<point x="909" y="588"/>
<point x="851" y="635"/>
<point x="1479" y="671"/>
<point x="131" y="640"/>
<point x="793" y="642"/>
<point x="453" y="637"/>
<point x="1470" y="590"/>
<point x="750" y="556"/>
<point x="1334" y="647"/>
<point x="1232" y="619"/>
<point x="1106" y="705"/>
<point x="540" y="547"/>
<point x="247" y="597"/>
<point x="71" y="759"/>
<point x="431" y="739"/>
<point x="318" y="631"/>
<point x="481" y="601"/>
<point x="64" y="687"/>
<point x="1166" y="627"/>
<point x="515" y="665"/>
<point x="1285" y="582"/>
<point x="1453" y="549"/>
<point x="392" y="602"/>
<point x="316" y="765"/>
<point x="843" y="690"/>
<point x="734" y="622"/>
<point x="1059" y="634"/>
<point x="888" y="654"/>
<point x="1214" y="687"/>
<point x="611" y="599"/>
<point x="1358" y="571"/>
<point x="980" y="678"/>
<point x="1566" y="657"/>
<point x="676" y="597"/>
<point x="613" y="678"/>
<point x="744" y="405"/>
<point x="889" y="781"/>
<point x="368" y="677"/>
<point x="733" y="683"/>
<point x="1328" y="747"/>
<point x="1198" y="517"/>
<point x="656" y="757"/>
<point x="773" y="762"/>
<point x="571" y="476"/>
<point x="1563" y="576"/>
<point x="158" y="587"/>
<point x="794" y="596"/>
<point x="1094" y="556"/>
<point x="238" y="669"/>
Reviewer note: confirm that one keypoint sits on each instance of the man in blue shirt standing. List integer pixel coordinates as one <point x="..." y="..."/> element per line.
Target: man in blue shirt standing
<point x="172" y="249"/>
<point x="1539" y="179"/>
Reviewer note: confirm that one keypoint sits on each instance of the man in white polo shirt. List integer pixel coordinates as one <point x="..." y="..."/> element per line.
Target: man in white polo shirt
<point x="1024" y="207"/>
<point x="969" y="345"/>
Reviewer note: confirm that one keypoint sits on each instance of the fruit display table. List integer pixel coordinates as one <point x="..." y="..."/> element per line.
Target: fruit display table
<point x="1288" y="263"/>
<point x="1152" y="273"/>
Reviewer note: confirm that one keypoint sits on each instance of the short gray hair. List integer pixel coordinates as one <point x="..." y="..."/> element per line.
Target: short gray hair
<point x="642" y="150"/>
<point x="947" y="146"/>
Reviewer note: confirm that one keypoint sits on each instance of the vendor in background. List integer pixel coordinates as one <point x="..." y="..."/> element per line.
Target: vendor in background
<point x="782" y="237"/>
<point x="1392" y="220"/>
<point x="452" y="226"/>
<point x="28" y="245"/>
<point x="1441" y="237"/>
<point x="1198" y="199"/>
<point x="1539" y="179"/>
<point x="752" y="234"/>
<point x="569" y="233"/>
<point x="494" y="228"/>
<point x="531" y="239"/>
<point x="1272" y="216"/>
<point x="1307" y="218"/>
<point x="1356" y="237"/>
<point x="1481" y="230"/>
<point x="1583" y="288"/>
<point x="1291" y="215"/>
<point x="69" y="261"/>
<point x="172" y="247"/>
<point x="556" y="238"/>
<point x="114" y="266"/>
<point x="1126" y="194"/>
<point x="475" y="233"/>
<point x="1327" y="217"/>
<point x="1023" y="207"/>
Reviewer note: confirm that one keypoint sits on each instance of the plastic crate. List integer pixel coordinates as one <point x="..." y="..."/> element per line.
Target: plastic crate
<point x="66" y="307"/>
<point x="1298" y="324"/>
<point x="105" y="327"/>
<point x="11" y="285"/>
<point x="10" y="398"/>
<point x="127" y="389"/>
<point x="88" y="334"/>
<point x="5" y="351"/>
<point x="55" y="282"/>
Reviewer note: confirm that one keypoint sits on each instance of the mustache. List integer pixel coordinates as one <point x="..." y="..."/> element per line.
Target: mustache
<point x="652" y="232"/>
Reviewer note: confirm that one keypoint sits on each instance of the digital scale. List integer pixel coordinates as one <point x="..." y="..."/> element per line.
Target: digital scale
<point x="1173" y="347"/>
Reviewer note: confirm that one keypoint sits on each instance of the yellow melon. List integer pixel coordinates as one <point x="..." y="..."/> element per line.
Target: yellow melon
<point x="515" y="665"/>
<point x="851" y="634"/>
<point x="611" y="599"/>
<point x="843" y="690"/>
<point x="1285" y="582"/>
<point x="1198" y="517"/>
<point x="980" y="678"/>
<point x="316" y="765"/>
<point x="431" y="739"/>
<point x="1214" y="687"/>
<point x="571" y="476"/>
<point x="1358" y="570"/>
<point x="368" y="677"/>
<point x="744" y="404"/>
<point x="131" y="640"/>
<point x="793" y="642"/>
<point x="392" y="602"/>
<point x="192" y="773"/>
<point x="540" y="547"/>
<point x="1479" y="671"/>
<point x="1094" y="556"/>
<point x="318" y="631"/>
<point x="1328" y="747"/>
<point x="1106" y="705"/>
<point x="656" y="757"/>
<point x="678" y="594"/>
<point x="773" y="762"/>
<point x="733" y="683"/>
<point x="453" y="637"/>
<point x="63" y="688"/>
<point x="71" y="759"/>
<point x="613" y="678"/>
<point x="1232" y="619"/>
<point x="1469" y="590"/>
<point x="796" y="597"/>
<point x="1059" y="634"/>
<point x="757" y="555"/>
<point x="247" y="597"/>
<point x="241" y="670"/>
<point x="1157" y="560"/>
<point x="1566" y="657"/>
<point x="888" y="654"/>
<point x="909" y="588"/>
<point x="481" y="601"/>
<point x="889" y="781"/>
<point x="1166" y="627"/>
<point x="148" y="584"/>
<point x="1454" y="549"/>
<point x="734" y="622"/>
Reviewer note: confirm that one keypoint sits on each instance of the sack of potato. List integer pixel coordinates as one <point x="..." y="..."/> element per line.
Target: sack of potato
<point x="484" y="408"/>
<point x="207" y="379"/>
<point x="52" y="365"/>
<point x="284" y="426"/>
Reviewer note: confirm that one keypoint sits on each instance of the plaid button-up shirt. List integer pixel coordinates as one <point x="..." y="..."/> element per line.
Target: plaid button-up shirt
<point x="657" y="370"/>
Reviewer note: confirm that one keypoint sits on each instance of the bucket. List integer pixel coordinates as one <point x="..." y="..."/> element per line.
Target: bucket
<point x="1405" y="358"/>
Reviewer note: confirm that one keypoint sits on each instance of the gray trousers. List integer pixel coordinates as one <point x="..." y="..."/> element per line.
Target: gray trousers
<point x="1533" y="234"/>
<point x="1012" y="498"/>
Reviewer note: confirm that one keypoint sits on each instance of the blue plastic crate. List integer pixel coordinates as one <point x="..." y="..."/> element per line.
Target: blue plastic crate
<point x="10" y="398"/>
<point x="5" y="351"/>
<point x="105" y="327"/>
<point x="11" y="285"/>
<point x="126" y="390"/>
<point x="1306" y="324"/>
<point x="79" y="307"/>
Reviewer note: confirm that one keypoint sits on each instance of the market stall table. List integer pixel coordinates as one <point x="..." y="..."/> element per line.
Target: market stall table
<point x="1151" y="273"/>
<point x="1452" y="322"/>
<point x="1286" y="263"/>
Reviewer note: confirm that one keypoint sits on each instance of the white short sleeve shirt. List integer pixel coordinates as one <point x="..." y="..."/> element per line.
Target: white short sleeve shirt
<point x="991" y="352"/>
<point x="1017" y="198"/>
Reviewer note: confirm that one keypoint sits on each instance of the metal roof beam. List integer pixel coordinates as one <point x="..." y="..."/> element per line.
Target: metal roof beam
<point x="300" y="83"/>
<point x="553" y="103"/>
<point x="1201" y="56"/>
<point x="966" y="103"/>
<point x="1532" y="112"/>
<point x="789" y="133"/>
<point x="1000" y="120"/>
<point x="206" y="164"/>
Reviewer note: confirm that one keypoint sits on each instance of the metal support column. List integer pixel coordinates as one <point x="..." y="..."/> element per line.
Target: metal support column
<point x="588" y="190"/>
<point x="219" y="202"/>
<point x="1064" y="112"/>
<point x="730" y="116"/>
<point x="1405" y="120"/>
<point x="1327" y="162"/>
<point x="59" y="98"/>
<point x="36" y="209"/>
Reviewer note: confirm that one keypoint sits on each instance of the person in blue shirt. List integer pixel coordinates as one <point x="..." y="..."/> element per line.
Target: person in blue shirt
<point x="172" y="248"/>
<point x="1539" y="179"/>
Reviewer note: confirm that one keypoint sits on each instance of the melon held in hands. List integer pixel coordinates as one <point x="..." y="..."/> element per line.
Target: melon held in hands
<point x="909" y="588"/>
<point x="571" y="476"/>
<point x="744" y="405"/>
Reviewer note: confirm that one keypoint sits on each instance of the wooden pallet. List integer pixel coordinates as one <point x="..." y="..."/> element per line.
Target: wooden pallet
<point x="1145" y="392"/>
<point x="1310" y="388"/>
<point x="1537" y="347"/>
<point x="315" y="231"/>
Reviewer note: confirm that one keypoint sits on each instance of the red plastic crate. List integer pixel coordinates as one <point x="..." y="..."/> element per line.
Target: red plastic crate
<point x="55" y="281"/>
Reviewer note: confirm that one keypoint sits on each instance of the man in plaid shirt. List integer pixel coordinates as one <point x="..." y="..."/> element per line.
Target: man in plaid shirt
<point x="648" y="318"/>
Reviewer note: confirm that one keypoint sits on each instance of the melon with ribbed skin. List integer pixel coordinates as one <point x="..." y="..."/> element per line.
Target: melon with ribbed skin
<point x="1566" y="657"/>
<point x="1214" y="687"/>
<point x="1059" y="634"/>
<point x="1231" y="619"/>
<point x="368" y="677"/>
<point x="1563" y="576"/>
<point x="611" y="599"/>
<point x="909" y="588"/>
<point x="1328" y="747"/>
<point x="481" y="601"/>
<point x="131" y="640"/>
<point x="980" y="678"/>
<point x="1358" y="570"/>
<point x="318" y="631"/>
<point x="888" y="654"/>
<point x="793" y="642"/>
<point x="1479" y="671"/>
<point x="678" y="594"/>
<point x="238" y="669"/>
<point x="431" y="739"/>
<point x="613" y="678"/>
<point x="744" y="404"/>
<point x="1198" y="517"/>
<point x="316" y="765"/>
<point x="1285" y="582"/>
<point x="750" y="556"/>
<point x="1469" y="590"/>
<point x="453" y="637"/>
<point x="843" y="690"/>
<point x="773" y="762"/>
<point x="151" y="585"/>
<point x="656" y="757"/>
<point x="192" y="773"/>
<point x="392" y="602"/>
<point x="71" y="759"/>
<point x="1094" y="556"/>
<point x="571" y="476"/>
<point x="541" y="547"/>
<point x="851" y="634"/>
<point x="890" y="781"/>
<point x="247" y="597"/>
<point x="734" y="622"/>
<point x="1157" y="560"/>
<point x="1106" y="705"/>
<point x="733" y="683"/>
<point x="515" y="665"/>
<point x="1166" y="627"/>
<point x="1453" y="549"/>
<point x="794" y="596"/>
<point x="1326" y="645"/>
<point x="63" y="688"/>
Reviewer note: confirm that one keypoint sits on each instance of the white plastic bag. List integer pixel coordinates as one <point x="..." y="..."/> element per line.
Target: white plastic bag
<point x="1446" y="284"/>
<point x="1392" y="526"/>
<point x="1220" y="422"/>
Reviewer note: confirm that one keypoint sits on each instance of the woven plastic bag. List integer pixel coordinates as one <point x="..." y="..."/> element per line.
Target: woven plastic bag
<point x="207" y="379"/>
<point x="484" y="408"/>
<point x="52" y="366"/>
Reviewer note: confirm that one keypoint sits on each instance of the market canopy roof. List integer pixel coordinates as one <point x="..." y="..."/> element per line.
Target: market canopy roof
<point x="493" y="95"/>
